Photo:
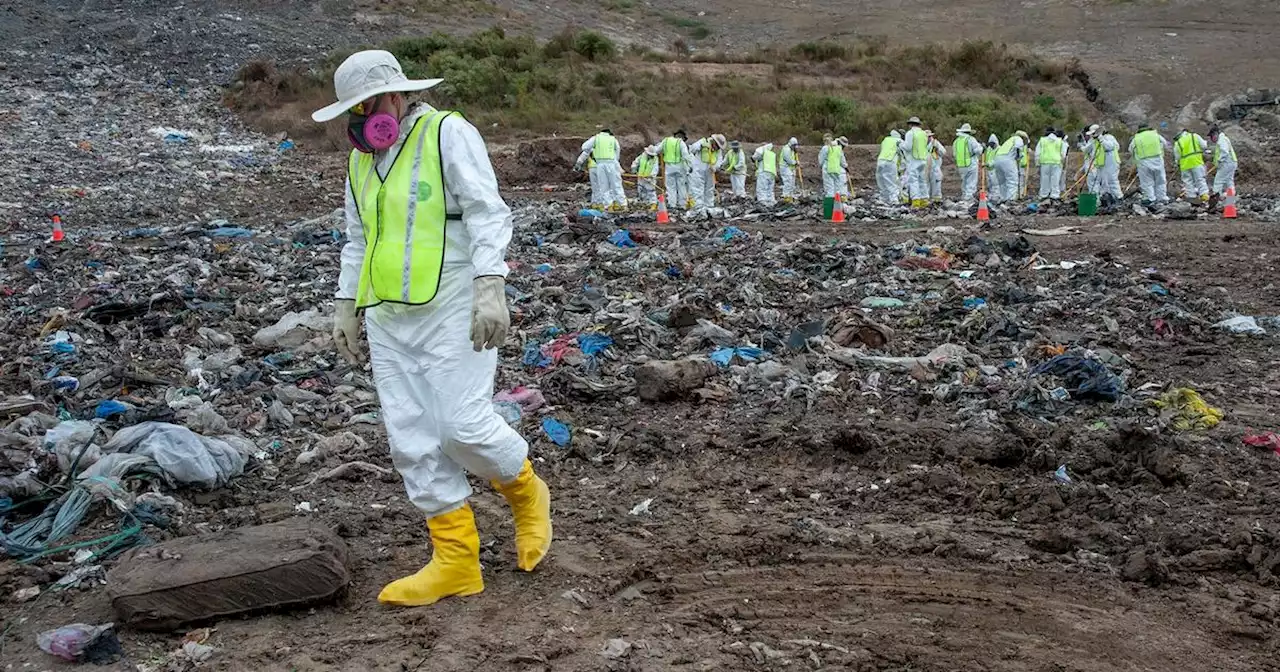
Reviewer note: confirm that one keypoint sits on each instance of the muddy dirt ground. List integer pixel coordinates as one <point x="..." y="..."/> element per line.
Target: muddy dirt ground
<point x="864" y="533"/>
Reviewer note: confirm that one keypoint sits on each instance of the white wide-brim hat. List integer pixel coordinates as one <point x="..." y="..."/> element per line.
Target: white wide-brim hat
<point x="364" y="75"/>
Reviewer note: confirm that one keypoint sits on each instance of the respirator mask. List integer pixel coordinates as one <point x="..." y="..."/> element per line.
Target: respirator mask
<point x="371" y="133"/>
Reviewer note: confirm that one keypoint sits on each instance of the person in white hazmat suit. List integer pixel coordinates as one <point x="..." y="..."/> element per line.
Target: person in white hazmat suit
<point x="645" y="168"/>
<point x="734" y="162"/>
<point x="599" y="200"/>
<point x="1188" y="154"/>
<point x="702" y="178"/>
<point x="1049" y="159"/>
<point x="1109" y="181"/>
<point x="834" y="168"/>
<point x="787" y="168"/>
<point x="604" y="149"/>
<point x="1066" y="162"/>
<point x="934" y="165"/>
<point x="766" y="160"/>
<point x="427" y="233"/>
<point x="968" y="155"/>
<point x="1224" y="159"/>
<point x="888" y="186"/>
<point x="1147" y="149"/>
<point x="915" y="147"/>
<point x="1007" y="166"/>
<point x="677" y="162"/>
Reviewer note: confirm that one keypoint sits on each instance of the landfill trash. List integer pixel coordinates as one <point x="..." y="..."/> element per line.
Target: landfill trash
<point x="1061" y="476"/>
<point x="229" y="232"/>
<point x="1085" y="378"/>
<point x="294" y="329"/>
<point x="110" y="408"/>
<point x="622" y="238"/>
<point x="26" y="594"/>
<point x="616" y="649"/>
<point x="1241" y="324"/>
<point x="1269" y="440"/>
<point x="665" y="380"/>
<point x="1188" y="410"/>
<point x="183" y="455"/>
<point x="80" y="642"/>
<point x="722" y="357"/>
<point x="642" y="507"/>
<point x="881" y="302"/>
<point x="557" y="431"/>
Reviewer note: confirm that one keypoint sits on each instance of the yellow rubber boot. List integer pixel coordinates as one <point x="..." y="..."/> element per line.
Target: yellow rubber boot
<point x="530" y="501"/>
<point x="454" y="568"/>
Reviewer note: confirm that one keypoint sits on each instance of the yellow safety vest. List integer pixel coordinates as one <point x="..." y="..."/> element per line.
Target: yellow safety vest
<point x="709" y="155"/>
<point x="835" y="156"/>
<point x="671" y="152"/>
<point x="403" y="217"/>
<point x="788" y="156"/>
<point x="606" y="147"/>
<point x="1192" y="152"/>
<point x="964" y="158"/>
<point x="1099" y="155"/>
<point x="732" y="161"/>
<point x="1051" y="154"/>
<point x="888" y="150"/>
<point x="769" y="161"/>
<point x="989" y="156"/>
<point x="1217" y="153"/>
<point x="919" y="144"/>
<point x="648" y="166"/>
<point x="1006" y="147"/>
<point x="1146" y="145"/>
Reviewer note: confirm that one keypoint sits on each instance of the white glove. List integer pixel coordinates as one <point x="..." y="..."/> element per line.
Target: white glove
<point x="489" y="317"/>
<point x="346" y="330"/>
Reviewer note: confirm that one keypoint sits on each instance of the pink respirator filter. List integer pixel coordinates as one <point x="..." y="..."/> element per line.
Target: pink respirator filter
<point x="381" y="131"/>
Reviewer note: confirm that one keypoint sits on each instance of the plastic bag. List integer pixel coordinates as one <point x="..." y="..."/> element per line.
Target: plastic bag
<point x="70" y="641"/>
<point x="72" y="442"/>
<point x="184" y="455"/>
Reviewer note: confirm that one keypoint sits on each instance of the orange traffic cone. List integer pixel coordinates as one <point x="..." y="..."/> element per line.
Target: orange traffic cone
<point x="663" y="217"/>
<point x="57" y="229"/>
<point x="1229" y="205"/>
<point x="837" y="211"/>
<point x="984" y="213"/>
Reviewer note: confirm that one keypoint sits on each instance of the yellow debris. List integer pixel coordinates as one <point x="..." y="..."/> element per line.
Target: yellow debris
<point x="1193" y="412"/>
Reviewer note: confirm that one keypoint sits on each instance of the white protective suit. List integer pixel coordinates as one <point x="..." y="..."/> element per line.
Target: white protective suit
<point x="833" y="183"/>
<point x="787" y="163"/>
<point x="764" y="179"/>
<point x="1226" y="161"/>
<point x="888" y="181"/>
<point x="646" y="185"/>
<point x="917" y="181"/>
<point x="969" y="174"/>
<point x="436" y="391"/>
<point x="1151" y="177"/>
<point x="1050" y="173"/>
<point x="936" y="154"/>
<point x="677" y="176"/>
<point x="702" y="177"/>
<point x="610" y="175"/>
<point x="1193" y="181"/>
<point x="599" y="199"/>
<point x="1006" y="171"/>
<point x="738" y="175"/>
<point x="1109" y="179"/>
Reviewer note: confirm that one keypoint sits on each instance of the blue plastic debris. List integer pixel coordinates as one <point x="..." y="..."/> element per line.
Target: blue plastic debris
<point x="278" y="359"/>
<point x="593" y="344"/>
<point x="543" y="268"/>
<point x="673" y="272"/>
<point x="229" y="232"/>
<point x="66" y="383"/>
<point x="109" y="408"/>
<point x="723" y="356"/>
<point x="1158" y="289"/>
<point x="1083" y="378"/>
<point x="144" y="232"/>
<point x="731" y="232"/>
<point x="62" y="347"/>
<point x="557" y="431"/>
<point x="975" y="303"/>
<point x="34" y="264"/>
<point x="588" y="212"/>
<point x="622" y="238"/>
<point x="1061" y="475"/>
<point x="285" y="145"/>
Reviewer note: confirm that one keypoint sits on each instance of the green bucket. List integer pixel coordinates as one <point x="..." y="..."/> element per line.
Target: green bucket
<point x="828" y="206"/>
<point x="1087" y="205"/>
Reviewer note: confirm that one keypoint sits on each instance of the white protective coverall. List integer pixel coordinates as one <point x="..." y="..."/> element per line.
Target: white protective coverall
<point x="888" y="182"/>
<point x="1151" y="178"/>
<point x="1109" y="179"/>
<point x="787" y="163"/>
<point x="436" y="391"/>
<point x="599" y="199"/>
<point x="610" y="174"/>
<point x="1066" y="163"/>
<point x="1225" y="159"/>
<point x="737" y="174"/>
<point x="936" y="154"/>
<point x="646" y="183"/>
<point x="1006" y="171"/>
<point x="1193" y="181"/>
<point x="702" y="177"/>
<point x="764" y="178"/>
<point x="834" y="182"/>
<point x="676" y="173"/>
<point x="917" y="180"/>
<point x="969" y="174"/>
<point x="1049" y="150"/>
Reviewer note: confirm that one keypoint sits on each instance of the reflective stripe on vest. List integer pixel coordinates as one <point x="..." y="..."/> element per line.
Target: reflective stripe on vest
<point x="919" y="144"/>
<point x="964" y="158"/>
<point x="835" y="156"/>
<point x="606" y="147"/>
<point x="769" y="161"/>
<point x="648" y="166"/>
<point x="671" y="150"/>
<point x="888" y="150"/>
<point x="1146" y="145"/>
<point x="1192" y="152"/>
<point x="1051" y="152"/>
<point x="403" y="218"/>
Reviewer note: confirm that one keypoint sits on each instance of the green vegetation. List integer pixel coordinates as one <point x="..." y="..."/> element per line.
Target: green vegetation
<point x="515" y="85"/>
<point x="695" y="28"/>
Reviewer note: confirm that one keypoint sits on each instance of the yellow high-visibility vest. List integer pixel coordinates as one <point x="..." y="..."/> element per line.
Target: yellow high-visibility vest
<point x="671" y="151"/>
<point x="648" y="166"/>
<point x="964" y="158"/>
<point x="403" y="218"/>
<point x="919" y="144"/>
<point x="769" y="161"/>
<point x="606" y="147"/>
<point x="835" y="157"/>
<point x="1146" y="145"/>
<point x="888" y="149"/>
<point x="709" y="155"/>
<point x="1051" y="151"/>
<point x="1191" y="151"/>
